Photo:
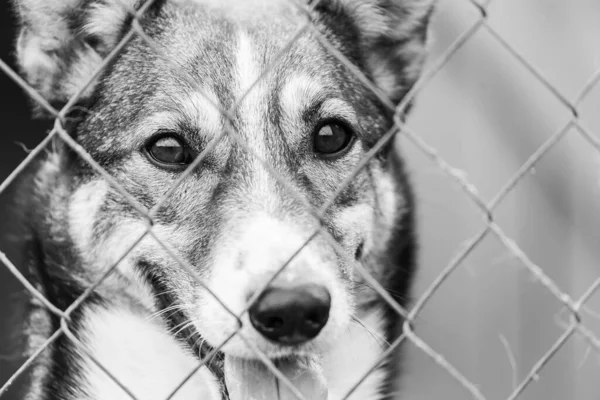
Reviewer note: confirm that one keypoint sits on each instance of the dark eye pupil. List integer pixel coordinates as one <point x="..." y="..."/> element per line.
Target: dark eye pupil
<point x="331" y="138"/>
<point x="168" y="150"/>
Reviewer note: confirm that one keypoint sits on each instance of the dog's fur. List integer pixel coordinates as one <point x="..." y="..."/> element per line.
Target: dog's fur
<point x="231" y="220"/>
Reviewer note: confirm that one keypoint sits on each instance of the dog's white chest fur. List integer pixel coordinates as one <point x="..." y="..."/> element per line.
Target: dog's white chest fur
<point x="151" y="364"/>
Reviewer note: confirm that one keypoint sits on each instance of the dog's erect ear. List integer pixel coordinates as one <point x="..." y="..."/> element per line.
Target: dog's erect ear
<point x="62" y="42"/>
<point x="392" y="35"/>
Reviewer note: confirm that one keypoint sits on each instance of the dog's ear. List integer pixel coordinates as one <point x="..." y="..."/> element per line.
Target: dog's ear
<point x="392" y="40"/>
<point x="62" y="42"/>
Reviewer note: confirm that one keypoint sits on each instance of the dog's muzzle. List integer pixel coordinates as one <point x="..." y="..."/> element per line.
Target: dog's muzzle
<point x="291" y="315"/>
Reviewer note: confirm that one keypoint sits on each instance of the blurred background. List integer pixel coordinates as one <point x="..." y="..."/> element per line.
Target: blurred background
<point x="485" y="114"/>
<point x="18" y="132"/>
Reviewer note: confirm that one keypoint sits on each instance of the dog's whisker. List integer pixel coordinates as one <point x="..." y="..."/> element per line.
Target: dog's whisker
<point x="188" y="337"/>
<point x="377" y="337"/>
<point x="364" y="285"/>
<point x="183" y="326"/>
<point x="199" y="343"/>
<point x="169" y="291"/>
<point x="168" y="310"/>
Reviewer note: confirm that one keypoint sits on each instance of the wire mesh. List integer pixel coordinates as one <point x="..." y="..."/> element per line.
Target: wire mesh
<point x="574" y="306"/>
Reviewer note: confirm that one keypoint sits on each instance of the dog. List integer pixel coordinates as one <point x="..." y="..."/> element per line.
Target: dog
<point x="299" y="121"/>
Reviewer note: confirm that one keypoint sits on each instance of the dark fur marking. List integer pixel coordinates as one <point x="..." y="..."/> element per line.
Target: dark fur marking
<point x="401" y="259"/>
<point x="189" y="336"/>
<point x="64" y="371"/>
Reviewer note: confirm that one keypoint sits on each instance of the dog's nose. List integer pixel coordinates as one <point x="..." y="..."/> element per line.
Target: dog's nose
<point x="291" y="315"/>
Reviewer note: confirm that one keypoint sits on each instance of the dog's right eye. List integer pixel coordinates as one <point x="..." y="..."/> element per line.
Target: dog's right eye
<point x="169" y="151"/>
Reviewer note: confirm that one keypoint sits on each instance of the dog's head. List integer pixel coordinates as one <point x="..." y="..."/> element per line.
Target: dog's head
<point x="298" y="122"/>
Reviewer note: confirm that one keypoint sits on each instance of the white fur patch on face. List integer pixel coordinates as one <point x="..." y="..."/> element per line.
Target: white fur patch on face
<point x="299" y="93"/>
<point x="200" y="108"/>
<point x="245" y="260"/>
<point x="337" y="108"/>
<point x="247" y="69"/>
<point x="354" y="353"/>
<point x="83" y="208"/>
<point x="102" y="250"/>
<point x="151" y="249"/>
<point x="389" y="206"/>
<point x="302" y="91"/>
<point x="197" y="108"/>
<point x="163" y="120"/>
<point x="142" y="356"/>
<point x="253" y="93"/>
<point x="118" y="244"/>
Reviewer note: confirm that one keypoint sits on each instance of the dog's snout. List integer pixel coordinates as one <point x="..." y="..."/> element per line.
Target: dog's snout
<point x="291" y="315"/>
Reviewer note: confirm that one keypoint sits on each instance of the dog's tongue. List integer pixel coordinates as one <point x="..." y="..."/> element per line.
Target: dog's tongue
<point x="252" y="380"/>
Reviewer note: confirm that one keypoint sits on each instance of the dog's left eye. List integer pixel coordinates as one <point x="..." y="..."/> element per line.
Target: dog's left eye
<point x="170" y="151"/>
<point x="332" y="139"/>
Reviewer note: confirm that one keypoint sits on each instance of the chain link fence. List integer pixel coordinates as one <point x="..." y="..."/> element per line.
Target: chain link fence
<point x="487" y="209"/>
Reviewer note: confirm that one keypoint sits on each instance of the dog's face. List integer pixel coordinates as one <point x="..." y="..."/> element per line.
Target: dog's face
<point x="294" y="110"/>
